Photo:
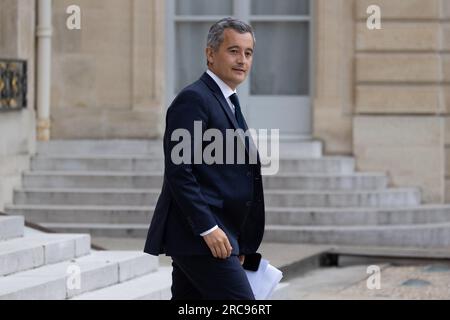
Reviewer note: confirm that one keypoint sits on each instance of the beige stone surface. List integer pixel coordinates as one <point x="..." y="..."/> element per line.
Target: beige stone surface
<point x="447" y="162"/>
<point x="334" y="59"/>
<point x="445" y="96"/>
<point x="447" y="189"/>
<point x="402" y="9"/>
<point x="399" y="36"/>
<point x="405" y="147"/>
<point x="148" y="50"/>
<point x="408" y="68"/>
<point x="446" y="67"/>
<point x="17" y="143"/>
<point x="8" y="28"/>
<point x="393" y="278"/>
<point x="95" y="60"/>
<point x="82" y="123"/>
<point x="18" y="128"/>
<point x="17" y="132"/>
<point x="17" y="40"/>
<point x="445" y="35"/>
<point x="75" y="82"/>
<point x="112" y="66"/>
<point x="400" y="99"/>
<point x="445" y="9"/>
<point x="447" y="130"/>
<point x="334" y="129"/>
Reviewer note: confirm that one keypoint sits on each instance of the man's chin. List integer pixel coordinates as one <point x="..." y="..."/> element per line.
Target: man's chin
<point x="239" y="80"/>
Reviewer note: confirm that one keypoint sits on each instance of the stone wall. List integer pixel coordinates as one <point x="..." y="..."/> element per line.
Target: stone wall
<point x="401" y="94"/>
<point x="107" y="78"/>
<point x="17" y="129"/>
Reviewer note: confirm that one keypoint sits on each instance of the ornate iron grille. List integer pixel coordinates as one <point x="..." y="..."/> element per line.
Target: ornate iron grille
<point x="13" y="84"/>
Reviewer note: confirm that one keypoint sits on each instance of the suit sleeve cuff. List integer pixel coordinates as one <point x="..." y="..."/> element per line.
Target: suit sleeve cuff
<point x="209" y="231"/>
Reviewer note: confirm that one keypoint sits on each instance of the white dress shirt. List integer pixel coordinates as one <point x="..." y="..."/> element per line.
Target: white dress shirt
<point x="227" y="92"/>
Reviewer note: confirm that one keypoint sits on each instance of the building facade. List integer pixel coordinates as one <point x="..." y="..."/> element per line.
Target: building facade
<point x="319" y="73"/>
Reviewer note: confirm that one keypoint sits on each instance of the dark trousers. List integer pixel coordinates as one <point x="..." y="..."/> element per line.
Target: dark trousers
<point x="209" y="278"/>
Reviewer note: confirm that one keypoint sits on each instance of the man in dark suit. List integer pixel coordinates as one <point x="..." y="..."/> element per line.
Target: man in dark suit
<point x="209" y="217"/>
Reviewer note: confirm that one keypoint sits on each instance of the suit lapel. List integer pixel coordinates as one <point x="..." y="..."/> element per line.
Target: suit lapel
<point x="219" y="96"/>
<point x="226" y="108"/>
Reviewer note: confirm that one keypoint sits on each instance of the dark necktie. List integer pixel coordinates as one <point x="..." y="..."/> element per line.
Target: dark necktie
<point x="237" y="111"/>
<point x="239" y="117"/>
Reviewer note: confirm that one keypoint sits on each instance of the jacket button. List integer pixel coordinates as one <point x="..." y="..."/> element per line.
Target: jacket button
<point x="249" y="203"/>
<point x="258" y="178"/>
<point x="249" y="174"/>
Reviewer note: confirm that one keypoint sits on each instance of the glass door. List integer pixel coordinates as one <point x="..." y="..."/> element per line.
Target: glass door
<point x="277" y="93"/>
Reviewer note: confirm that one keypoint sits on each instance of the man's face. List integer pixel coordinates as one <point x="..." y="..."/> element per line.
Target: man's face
<point x="233" y="60"/>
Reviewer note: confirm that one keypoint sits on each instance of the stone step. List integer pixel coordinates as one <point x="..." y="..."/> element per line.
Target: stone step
<point x="391" y="252"/>
<point x="274" y="198"/>
<point x="85" y="214"/>
<point x="398" y="197"/>
<point x="115" y="163"/>
<point x="110" y="197"/>
<point x="98" y="270"/>
<point x="122" y="230"/>
<point x="420" y="235"/>
<point x="274" y="215"/>
<point x="101" y="147"/>
<point x="154" y="286"/>
<point x="125" y="180"/>
<point x="33" y="251"/>
<point x="287" y="149"/>
<point x="139" y="230"/>
<point x="97" y="163"/>
<point x="11" y="227"/>
<point x="358" y="216"/>
<point x="326" y="164"/>
<point x="299" y="149"/>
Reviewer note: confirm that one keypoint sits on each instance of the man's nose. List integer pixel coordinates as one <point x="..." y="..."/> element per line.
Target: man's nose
<point x="241" y="59"/>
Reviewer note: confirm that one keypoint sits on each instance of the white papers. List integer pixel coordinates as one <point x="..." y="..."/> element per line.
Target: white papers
<point x="264" y="281"/>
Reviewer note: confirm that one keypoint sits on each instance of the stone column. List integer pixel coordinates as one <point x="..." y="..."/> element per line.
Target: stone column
<point x="333" y="98"/>
<point x="148" y="59"/>
<point x="44" y="34"/>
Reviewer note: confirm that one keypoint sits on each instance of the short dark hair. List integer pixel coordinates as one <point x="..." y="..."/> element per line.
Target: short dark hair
<point x="216" y="37"/>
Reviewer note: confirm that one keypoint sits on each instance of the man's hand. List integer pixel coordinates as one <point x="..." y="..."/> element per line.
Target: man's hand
<point x="242" y="259"/>
<point x="218" y="243"/>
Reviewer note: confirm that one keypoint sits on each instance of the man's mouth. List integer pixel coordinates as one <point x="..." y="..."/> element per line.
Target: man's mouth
<point x="239" y="69"/>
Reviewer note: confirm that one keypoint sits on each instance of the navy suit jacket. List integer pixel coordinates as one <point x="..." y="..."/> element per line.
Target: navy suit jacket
<point x="196" y="197"/>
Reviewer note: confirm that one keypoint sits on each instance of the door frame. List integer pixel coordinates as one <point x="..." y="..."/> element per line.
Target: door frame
<point x="243" y="9"/>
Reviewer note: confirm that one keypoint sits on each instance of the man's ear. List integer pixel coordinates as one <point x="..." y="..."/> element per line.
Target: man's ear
<point x="209" y="55"/>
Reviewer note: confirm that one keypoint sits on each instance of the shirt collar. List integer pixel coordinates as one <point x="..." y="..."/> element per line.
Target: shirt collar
<point x="226" y="90"/>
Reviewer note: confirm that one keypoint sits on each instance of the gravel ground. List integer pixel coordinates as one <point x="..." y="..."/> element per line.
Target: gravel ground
<point x="425" y="282"/>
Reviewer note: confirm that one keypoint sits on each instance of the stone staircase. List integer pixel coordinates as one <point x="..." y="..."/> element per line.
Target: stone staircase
<point x="35" y="265"/>
<point x="110" y="188"/>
